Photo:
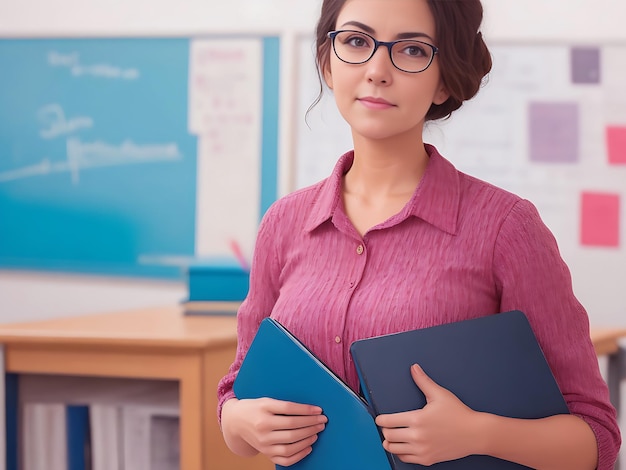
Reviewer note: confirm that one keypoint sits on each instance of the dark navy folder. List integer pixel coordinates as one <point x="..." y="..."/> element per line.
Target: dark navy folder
<point x="492" y="363"/>
<point x="278" y="366"/>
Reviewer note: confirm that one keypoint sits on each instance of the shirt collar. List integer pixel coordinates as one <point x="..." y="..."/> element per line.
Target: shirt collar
<point x="436" y="199"/>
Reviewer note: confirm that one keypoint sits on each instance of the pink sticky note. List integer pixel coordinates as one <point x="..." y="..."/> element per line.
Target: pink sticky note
<point x="600" y="219"/>
<point x="616" y="144"/>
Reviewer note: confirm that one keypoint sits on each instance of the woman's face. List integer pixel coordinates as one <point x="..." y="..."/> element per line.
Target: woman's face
<point x="376" y="99"/>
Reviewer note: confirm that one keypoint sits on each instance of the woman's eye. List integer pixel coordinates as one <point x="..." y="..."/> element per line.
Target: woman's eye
<point x="358" y="41"/>
<point x="414" y="51"/>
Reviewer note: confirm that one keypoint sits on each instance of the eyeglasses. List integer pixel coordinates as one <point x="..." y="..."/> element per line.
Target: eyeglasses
<point x="357" y="47"/>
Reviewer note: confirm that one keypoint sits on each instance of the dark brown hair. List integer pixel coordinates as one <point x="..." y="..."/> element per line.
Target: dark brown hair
<point x="464" y="59"/>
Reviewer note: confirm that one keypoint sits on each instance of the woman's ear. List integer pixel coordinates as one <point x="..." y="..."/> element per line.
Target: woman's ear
<point x="441" y="95"/>
<point x="328" y="77"/>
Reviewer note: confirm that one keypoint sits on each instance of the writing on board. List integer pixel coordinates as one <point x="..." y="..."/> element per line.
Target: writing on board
<point x="104" y="70"/>
<point x="54" y="123"/>
<point x="225" y="111"/>
<point x="83" y="154"/>
<point x="97" y="167"/>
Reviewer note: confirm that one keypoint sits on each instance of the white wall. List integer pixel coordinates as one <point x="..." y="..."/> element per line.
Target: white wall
<point x="30" y="296"/>
<point x="596" y="20"/>
<point x="26" y="296"/>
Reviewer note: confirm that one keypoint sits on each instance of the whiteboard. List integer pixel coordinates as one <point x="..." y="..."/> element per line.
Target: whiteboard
<point x="114" y="151"/>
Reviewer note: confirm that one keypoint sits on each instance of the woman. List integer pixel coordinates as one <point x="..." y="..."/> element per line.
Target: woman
<point x="396" y="239"/>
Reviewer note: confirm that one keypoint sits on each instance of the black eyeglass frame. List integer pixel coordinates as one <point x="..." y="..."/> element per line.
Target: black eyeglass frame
<point x="389" y="44"/>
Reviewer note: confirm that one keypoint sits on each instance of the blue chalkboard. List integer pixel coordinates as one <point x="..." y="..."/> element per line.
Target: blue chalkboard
<point x="97" y="165"/>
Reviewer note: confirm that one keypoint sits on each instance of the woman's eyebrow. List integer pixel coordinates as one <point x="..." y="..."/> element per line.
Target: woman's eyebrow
<point x="370" y="30"/>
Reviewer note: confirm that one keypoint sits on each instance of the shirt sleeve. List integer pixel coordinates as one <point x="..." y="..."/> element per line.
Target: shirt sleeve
<point x="262" y="295"/>
<point x="533" y="278"/>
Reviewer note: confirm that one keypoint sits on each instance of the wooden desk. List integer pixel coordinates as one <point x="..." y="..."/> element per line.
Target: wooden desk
<point x="158" y="343"/>
<point x="606" y="340"/>
<point x="606" y="343"/>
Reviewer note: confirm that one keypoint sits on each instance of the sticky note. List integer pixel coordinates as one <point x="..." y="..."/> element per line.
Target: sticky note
<point x="600" y="219"/>
<point x="553" y="132"/>
<point x="585" y="65"/>
<point x="616" y="144"/>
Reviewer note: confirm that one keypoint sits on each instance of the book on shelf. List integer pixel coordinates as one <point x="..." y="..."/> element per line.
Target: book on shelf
<point x="55" y="436"/>
<point x="144" y="428"/>
<point x="106" y="436"/>
<point x="78" y="437"/>
<point x="43" y="436"/>
<point x="164" y="442"/>
<point x="129" y="436"/>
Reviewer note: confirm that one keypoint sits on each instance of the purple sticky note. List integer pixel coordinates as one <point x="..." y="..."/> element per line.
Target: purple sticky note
<point x="585" y="62"/>
<point x="553" y="132"/>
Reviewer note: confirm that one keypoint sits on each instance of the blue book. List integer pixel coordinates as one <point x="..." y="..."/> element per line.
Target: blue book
<point x="11" y="391"/>
<point x="217" y="281"/>
<point x="279" y="366"/>
<point x="78" y="450"/>
<point x="492" y="364"/>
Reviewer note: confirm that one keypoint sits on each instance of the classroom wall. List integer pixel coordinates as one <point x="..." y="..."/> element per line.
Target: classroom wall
<point x="558" y="21"/>
<point x="504" y="19"/>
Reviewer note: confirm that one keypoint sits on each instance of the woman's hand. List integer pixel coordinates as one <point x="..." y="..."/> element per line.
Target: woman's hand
<point x="442" y="430"/>
<point x="283" y="431"/>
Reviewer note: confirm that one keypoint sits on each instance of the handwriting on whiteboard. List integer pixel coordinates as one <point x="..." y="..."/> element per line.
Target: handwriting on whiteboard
<point x="225" y="92"/>
<point x="89" y="155"/>
<point x="55" y="124"/>
<point x="72" y="62"/>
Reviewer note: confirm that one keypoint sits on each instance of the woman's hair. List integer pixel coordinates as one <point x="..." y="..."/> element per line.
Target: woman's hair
<point x="464" y="59"/>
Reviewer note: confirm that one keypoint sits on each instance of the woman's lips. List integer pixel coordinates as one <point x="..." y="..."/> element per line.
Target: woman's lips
<point x="375" y="103"/>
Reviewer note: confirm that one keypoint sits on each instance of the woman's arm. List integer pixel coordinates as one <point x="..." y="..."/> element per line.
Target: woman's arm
<point x="282" y="431"/>
<point x="532" y="277"/>
<point x="262" y="295"/>
<point x="557" y="442"/>
<point x="446" y="429"/>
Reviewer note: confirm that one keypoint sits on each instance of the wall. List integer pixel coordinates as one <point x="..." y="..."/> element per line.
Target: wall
<point x="600" y="20"/>
<point x="27" y="295"/>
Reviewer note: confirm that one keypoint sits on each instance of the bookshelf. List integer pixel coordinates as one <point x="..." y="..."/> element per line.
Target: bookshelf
<point x="152" y="344"/>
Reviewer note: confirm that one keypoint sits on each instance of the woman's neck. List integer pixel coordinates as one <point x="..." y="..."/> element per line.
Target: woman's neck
<point x="386" y="169"/>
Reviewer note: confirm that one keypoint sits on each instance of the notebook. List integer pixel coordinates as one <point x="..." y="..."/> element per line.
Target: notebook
<point x="492" y="363"/>
<point x="278" y="365"/>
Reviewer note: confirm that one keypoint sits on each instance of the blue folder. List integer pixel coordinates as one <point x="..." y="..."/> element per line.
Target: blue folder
<point x="278" y="365"/>
<point x="492" y="363"/>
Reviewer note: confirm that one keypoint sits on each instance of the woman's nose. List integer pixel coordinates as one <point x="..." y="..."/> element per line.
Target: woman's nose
<point x="380" y="67"/>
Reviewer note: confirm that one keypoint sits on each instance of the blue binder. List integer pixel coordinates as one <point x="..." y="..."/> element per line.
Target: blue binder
<point x="278" y="366"/>
<point x="492" y="363"/>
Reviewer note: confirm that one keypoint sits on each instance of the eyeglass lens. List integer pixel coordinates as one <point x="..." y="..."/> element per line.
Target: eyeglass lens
<point x="356" y="48"/>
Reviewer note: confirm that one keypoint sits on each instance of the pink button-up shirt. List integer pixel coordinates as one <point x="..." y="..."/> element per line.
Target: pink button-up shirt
<point x="459" y="249"/>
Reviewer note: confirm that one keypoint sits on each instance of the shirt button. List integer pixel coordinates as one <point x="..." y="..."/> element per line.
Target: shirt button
<point x="337" y="339"/>
<point x="359" y="250"/>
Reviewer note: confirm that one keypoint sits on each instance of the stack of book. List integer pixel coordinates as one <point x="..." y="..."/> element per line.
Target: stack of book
<point x="80" y="423"/>
<point x="215" y="287"/>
